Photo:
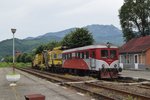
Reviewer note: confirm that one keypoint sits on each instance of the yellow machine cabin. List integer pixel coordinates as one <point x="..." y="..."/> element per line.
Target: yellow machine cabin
<point x="55" y="57"/>
<point x="38" y="60"/>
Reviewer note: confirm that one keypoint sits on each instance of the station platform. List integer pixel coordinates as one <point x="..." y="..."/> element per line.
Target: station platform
<point x="29" y="84"/>
<point x="137" y="74"/>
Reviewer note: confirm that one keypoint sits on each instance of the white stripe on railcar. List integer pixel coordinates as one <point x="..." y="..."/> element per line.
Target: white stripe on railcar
<point x="88" y="47"/>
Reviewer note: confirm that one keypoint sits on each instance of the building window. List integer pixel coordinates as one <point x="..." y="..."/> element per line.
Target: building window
<point x="127" y="58"/>
<point x="140" y="59"/>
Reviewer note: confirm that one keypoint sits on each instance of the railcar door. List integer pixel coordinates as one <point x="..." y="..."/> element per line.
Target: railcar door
<point x="92" y="59"/>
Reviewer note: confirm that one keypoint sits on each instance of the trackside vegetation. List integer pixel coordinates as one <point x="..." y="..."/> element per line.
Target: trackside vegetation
<point x="20" y="65"/>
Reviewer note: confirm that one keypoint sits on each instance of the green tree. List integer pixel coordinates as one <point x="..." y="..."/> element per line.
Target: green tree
<point x="8" y="59"/>
<point x="52" y="44"/>
<point x="48" y="46"/>
<point x="67" y="40"/>
<point x="39" y="49"/>
<point x="78" y="38"/>
<point x="25" y="57"/>
<point x="19" y="58"/>
<point x="135" y="18"/>
<point x="28" y="58"/>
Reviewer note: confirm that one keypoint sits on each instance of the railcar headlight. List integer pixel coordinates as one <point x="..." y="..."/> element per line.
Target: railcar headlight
<point x="115" y="65"/>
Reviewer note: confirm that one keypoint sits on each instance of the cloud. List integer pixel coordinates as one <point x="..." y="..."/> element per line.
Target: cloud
<point x="36" y="17"/>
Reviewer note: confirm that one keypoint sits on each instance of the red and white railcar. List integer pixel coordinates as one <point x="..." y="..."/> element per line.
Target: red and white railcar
<point x="100" y="59"/>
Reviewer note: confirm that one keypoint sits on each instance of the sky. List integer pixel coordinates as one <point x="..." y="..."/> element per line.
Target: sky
<point x="32" y="18"/>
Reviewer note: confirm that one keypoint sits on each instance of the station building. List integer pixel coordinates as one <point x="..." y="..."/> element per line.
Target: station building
<point x="135" y="54"/>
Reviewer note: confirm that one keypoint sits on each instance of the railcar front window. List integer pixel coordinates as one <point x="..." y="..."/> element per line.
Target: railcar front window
<point x="104" y="53"/>
<point x="113" y="54"/>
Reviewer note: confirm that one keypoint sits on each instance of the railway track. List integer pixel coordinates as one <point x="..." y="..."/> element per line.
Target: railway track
<point x="96" y="90"/>
<point x="42" y="75"/>
<point x="145" y="86"/>
<point x="56" y="75"/>
<point x="126" y="93"/>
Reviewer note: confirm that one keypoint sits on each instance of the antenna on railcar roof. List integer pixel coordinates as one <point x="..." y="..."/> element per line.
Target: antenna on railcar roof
<point x="108" y="44"/>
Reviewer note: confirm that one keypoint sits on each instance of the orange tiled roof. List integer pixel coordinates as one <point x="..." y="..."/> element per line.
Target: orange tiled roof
<point x="136" y="45"/>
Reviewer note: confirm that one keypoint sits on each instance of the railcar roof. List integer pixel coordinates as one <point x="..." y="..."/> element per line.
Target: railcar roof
<point x="89" y="47"/>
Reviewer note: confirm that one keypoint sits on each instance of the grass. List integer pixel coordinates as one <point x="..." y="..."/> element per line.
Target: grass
<point x="12" y="74"/>
<point x="20" y="65"/>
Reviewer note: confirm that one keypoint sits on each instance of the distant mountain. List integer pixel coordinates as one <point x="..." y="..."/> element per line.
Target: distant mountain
<point x="101" y="34"/>
<point x="25" y="45"/>
<point x="106" y="33"/>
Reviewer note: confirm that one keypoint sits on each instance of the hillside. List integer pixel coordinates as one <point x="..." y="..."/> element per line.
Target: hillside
<point x="101" y="34"/>
<point x="25" y="45"/>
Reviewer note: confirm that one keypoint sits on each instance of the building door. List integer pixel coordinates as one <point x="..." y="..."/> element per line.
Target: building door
<point x="136" y="58"/>
<point x="92" y="59"/>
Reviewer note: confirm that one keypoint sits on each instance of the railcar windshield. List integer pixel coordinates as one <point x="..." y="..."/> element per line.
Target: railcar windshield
<point x="113" y="54"/>
<point x="104" y="53"/>
<point x="108" y="54"/>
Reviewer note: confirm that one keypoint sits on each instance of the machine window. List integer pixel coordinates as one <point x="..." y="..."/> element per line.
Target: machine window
<point x="104" y="53"/>
<point x="55" y="56"/>
<point x="60" y="56"/>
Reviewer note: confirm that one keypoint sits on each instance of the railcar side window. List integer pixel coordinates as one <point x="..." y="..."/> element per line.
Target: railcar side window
<point x="78" y="54"/>
<point x="104" y="53"/>
<point x="67" y="56"/>
<point x="87" y="55"/>
<point x="70" y="55"/>
<point x="113" y="54"/>
<point x="82" y="56"/>
<point x="73" y="55"/>
<point x="93" y="54"/>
